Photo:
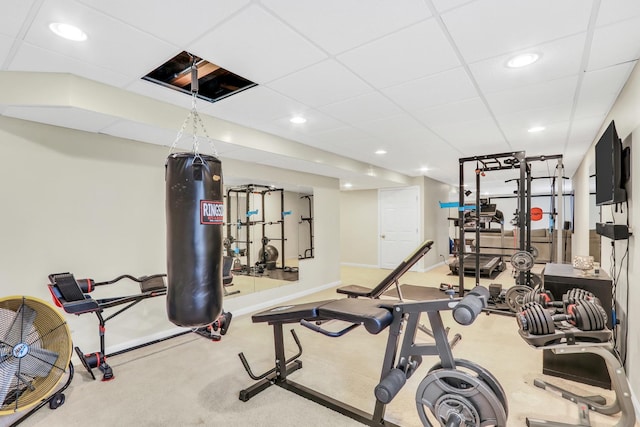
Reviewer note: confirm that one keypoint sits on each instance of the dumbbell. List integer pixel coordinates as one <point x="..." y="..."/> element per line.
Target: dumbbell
<point x="545" y="298"/>
<point x="586" y="315"/>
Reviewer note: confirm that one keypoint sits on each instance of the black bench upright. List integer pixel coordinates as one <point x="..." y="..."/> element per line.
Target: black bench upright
<point x="403" y="355"/>
<point x="393" y="278"/>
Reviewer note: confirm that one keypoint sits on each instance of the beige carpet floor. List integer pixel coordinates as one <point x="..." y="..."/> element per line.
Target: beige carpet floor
<point x="190" y="381"/>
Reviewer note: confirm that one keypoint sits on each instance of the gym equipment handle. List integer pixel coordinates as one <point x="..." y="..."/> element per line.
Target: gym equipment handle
<point x="390" y="385"/>
<point x="466" y="311"/>
<point x="332" y="334"/>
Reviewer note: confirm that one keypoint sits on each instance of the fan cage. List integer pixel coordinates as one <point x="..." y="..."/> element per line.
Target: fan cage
<point x="35" y="377"/>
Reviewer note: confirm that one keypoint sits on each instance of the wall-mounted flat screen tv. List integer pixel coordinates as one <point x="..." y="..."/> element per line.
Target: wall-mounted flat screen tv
<point x="609" y="168"/>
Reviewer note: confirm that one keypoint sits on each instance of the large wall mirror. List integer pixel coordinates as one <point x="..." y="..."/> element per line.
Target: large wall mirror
<point x="268" y="229"/>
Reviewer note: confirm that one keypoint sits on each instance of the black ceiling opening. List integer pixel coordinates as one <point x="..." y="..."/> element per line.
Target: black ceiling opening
<point x="214" y="82"/>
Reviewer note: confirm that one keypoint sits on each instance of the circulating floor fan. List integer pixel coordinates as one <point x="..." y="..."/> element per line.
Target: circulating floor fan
<point x="35" y="350"/>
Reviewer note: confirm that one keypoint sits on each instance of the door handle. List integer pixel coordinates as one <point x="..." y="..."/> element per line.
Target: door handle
<point x="382" y="236"/>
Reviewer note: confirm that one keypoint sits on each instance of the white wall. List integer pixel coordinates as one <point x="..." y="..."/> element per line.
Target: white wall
<point x="93" y="205"/>
<point x="359" y="224"/>
<point x="626" y="113"/>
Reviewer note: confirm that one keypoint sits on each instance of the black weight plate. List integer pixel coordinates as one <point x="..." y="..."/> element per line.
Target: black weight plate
<point x="485" y="375"/>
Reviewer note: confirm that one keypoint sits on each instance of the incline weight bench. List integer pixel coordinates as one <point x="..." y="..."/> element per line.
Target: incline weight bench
<point x="483" y="397"/>
<point x="355" y="291"/>
<point x="73" y="297"/>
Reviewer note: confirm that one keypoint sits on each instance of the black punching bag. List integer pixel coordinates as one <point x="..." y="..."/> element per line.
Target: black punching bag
<point x="194" y="205"/>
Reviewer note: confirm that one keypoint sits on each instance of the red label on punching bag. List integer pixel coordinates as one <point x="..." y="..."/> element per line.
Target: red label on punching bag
<point x="211" y="212"/>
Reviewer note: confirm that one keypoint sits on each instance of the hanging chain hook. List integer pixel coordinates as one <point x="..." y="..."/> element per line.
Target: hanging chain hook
<point x="193" y="115"/>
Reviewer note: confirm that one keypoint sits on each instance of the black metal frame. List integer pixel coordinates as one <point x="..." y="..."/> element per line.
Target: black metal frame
<point x="493" y="162"/>
<point x="309" y="220"/>
<point x="401" y="345"/>
<point x="56" y="395"/>
<point x="97" y="306"/>
<point x="262" y="190"/>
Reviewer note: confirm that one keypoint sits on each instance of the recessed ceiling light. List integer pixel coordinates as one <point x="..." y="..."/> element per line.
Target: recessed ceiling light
<point x="68" y="31"/>
<point x="381" y="152"/>
<point x="522" y="60"/>
<point x="298" y="120"/>
<point x="424" y="169"/>
<point x="535" y="129"/>
<point x="347" y="185"/>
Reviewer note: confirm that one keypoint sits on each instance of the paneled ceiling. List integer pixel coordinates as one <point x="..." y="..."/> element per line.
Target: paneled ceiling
<point x="424" y="80"/>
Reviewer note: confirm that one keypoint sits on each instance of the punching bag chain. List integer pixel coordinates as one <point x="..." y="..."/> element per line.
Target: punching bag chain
<point x="194" y="118"/>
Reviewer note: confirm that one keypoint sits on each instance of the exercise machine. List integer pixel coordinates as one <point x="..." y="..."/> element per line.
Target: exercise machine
<point x="516" y="161"/>
<point x="249" y="216"/>
<point x="578" y="326"/>
<point x="73" y="297"/>
<point x="484" y="219"/>
<point x="454" y="392"/>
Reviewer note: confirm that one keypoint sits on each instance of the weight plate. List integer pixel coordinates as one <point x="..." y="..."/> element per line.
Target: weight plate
<point x="515" y="297"/>
<point x="483" y="374"/>
<point x="534" y="252"/>
<point x="439" y="385"/>
<point x="522" y="261"/>
<point x="449" y="404"/>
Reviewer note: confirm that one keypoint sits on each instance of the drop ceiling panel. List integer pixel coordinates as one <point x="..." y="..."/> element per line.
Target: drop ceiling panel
<point x="258" y="104"/>
<point x="443" y="88"/>
<point x="462" y="111"/>
<point x="34" y="58"/>
<point x="444" y="5"/>
<point x="473" y="136"/>
<point x="508" y="26"/>
<point x="320" y="84"/>
<point x="611" y="44"/>
<point x="14" y="13"/>
<point x="178" y="28"/>
<point x="520" y="122"/>
<point x="559" y="91"/>
<point x="346" y="138"/>
<point x="316" y="122"/>
<point x="584" y="132"/>
<point x="73" y="118"/>
<point x="391" y="128"/>
<point x="600" y="89"/>
<point x="5" y="47"/>
<point x="152" y="90"/>
<point x="370" y="106"/>
<point x="559" y="58"/>
<point x="273" y="51"/>
<point x="104" y="33"/>
<point x="338" y="25"/>
<point x="406" y="55"/>
<point x="553" y="137"/>
<point x="615" y="11"/>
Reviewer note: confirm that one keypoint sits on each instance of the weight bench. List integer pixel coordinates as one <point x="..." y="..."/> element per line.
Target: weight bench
<point x="355" y="291"/>
<point x="571" y="340"/>
<point x="403" y="355"/>
<point x="73" y="297"/>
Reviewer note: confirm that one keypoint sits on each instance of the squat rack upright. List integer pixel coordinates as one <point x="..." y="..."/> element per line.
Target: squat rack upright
<point x="261" y="190"/>
<point x="493" y="162"/>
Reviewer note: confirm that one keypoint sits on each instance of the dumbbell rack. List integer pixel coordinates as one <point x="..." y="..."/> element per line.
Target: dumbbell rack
<point x="574" y="341"/>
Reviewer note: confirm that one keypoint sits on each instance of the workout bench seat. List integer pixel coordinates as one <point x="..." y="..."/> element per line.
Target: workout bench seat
<point x="374" y="315"/>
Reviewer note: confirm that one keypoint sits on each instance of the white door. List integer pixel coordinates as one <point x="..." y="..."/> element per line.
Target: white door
<point x="399" y="213"/>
